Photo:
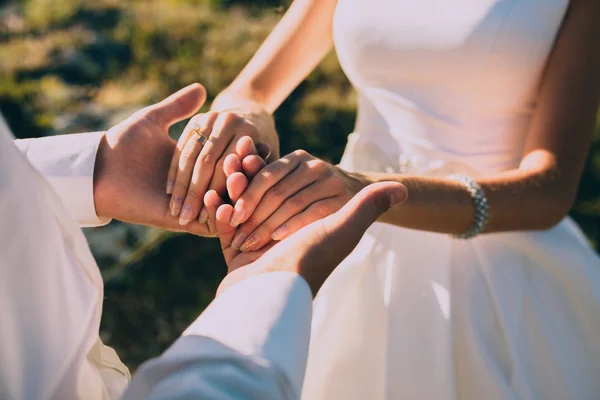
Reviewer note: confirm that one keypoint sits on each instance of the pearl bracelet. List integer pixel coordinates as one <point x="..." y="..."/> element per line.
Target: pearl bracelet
<point x="482" y="209"/>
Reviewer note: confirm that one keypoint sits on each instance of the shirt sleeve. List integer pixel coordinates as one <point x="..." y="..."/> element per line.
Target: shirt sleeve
<point x="67" y="162"/>
<point x="250" y="343"/>
<point x="50" y="294"/>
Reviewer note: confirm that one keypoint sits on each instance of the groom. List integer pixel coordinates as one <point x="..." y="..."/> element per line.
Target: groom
<point x="251" y="342"/>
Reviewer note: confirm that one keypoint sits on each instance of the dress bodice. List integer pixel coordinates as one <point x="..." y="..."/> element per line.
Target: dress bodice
<point x="451" y="86"/>
<point x="444" y="80"/>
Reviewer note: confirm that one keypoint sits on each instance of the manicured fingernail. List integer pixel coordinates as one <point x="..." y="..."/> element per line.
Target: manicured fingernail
<point x="397" y="197"/>
<point x="237" y="217"/>
<point x="176" y="203"/>
<point x="280" y="233"/>
<point x="249" y="244"/>
<point x="186" y="215"/>
<point x="203" y="216"/>
<point x="238" y="240"/>
<point x="170" y="185"/>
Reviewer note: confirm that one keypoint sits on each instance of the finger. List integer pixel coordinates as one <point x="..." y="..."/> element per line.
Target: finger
<point x="261" y="183"/>
<point x="251" y="165"/>
<point x="178" y="106"/>
<point x="237" y="181"/>
<point x="236" y="184"/>
<point x="219" y="178"/>
<point x="212" y="201"/>
<point x="254" y="157"/>
<point x="224" y="230"/>
<point x="205" y="167"/>
<point x="187" y="160"/>
<point x="225" y="233"/>
<point x="275" y="197"/>
<point x="204" y="121"/>
<point x="232" y="164"/>
<point x="314" y="212"/>
<point x="350" y="223"/>
<point x="315" y="202"/>
<point x="175" y="160"/>
<point x="317" y="249"/>
<point x="244" y="150"/>
<point x="245" y="147"/>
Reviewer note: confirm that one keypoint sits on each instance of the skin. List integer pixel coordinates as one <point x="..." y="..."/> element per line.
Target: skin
<point x="534" y="196"/>
<point x="240" y="168"/>
<point x="197" y="168"/>
<point x="286" y="195"/>
<point x="315" y="251"/>
<point x="306" y="28"/>
<point x="133" y="159"/>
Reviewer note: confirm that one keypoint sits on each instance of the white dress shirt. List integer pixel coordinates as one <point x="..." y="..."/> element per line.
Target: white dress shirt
<point x="250" y="343"/>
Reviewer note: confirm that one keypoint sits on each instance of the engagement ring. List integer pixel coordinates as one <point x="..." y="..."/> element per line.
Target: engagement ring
<point x="201" y="138"/>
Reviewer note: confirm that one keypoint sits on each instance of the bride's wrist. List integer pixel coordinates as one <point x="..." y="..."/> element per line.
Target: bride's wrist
<point x="355" y="181"/>
<point x="230" y="99"/>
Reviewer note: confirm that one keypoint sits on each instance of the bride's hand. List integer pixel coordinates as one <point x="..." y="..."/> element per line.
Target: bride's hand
<point x="197" y="163"/>
<point x="240" y="168"/>
<point x="287" y="195"/>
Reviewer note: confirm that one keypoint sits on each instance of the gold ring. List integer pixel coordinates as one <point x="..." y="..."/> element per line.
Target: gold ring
<point x="201" y="138"/>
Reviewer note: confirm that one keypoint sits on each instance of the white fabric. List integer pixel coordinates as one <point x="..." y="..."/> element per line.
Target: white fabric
<point x="67" y="163"/>
<point x="251" y="343"/>
<point x="418" y="315"/>
<point x="51" y="290"/>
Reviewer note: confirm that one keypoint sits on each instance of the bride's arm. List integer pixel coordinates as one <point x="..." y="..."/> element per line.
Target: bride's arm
<point x="294" y="48"/>
<point x="541" y="191"/>
<point x="298" y="43"/>
<point x="534" y="196"/>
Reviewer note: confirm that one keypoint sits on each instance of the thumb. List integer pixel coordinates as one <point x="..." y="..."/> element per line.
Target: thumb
<point x="318" y="248"/>
<point x="328" y="242"/>
<point x="364" y="209"/>
<point x="178" y="106"/>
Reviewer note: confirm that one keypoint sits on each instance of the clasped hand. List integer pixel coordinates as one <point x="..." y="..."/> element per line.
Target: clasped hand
<point x="270" y="202"/>
<point x="133" y="159"/>
<point x="263" y="203"/>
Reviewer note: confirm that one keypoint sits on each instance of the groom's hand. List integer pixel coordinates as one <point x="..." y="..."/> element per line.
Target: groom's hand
<point x="317" y="249"/>
<point x="133" y="161"/>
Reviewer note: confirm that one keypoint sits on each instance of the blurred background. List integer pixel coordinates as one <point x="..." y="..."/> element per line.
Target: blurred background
<point x="71" y="66"/>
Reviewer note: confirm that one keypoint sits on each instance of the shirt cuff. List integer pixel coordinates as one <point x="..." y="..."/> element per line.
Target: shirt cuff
<point x="268" y="316"/>
<point x="67" y="162"/>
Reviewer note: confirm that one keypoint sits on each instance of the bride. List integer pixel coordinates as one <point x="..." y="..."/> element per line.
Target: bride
<point x="478" y="286"/>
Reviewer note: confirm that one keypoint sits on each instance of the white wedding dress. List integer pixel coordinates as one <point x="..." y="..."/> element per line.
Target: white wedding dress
<point x="419" y="315"/>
